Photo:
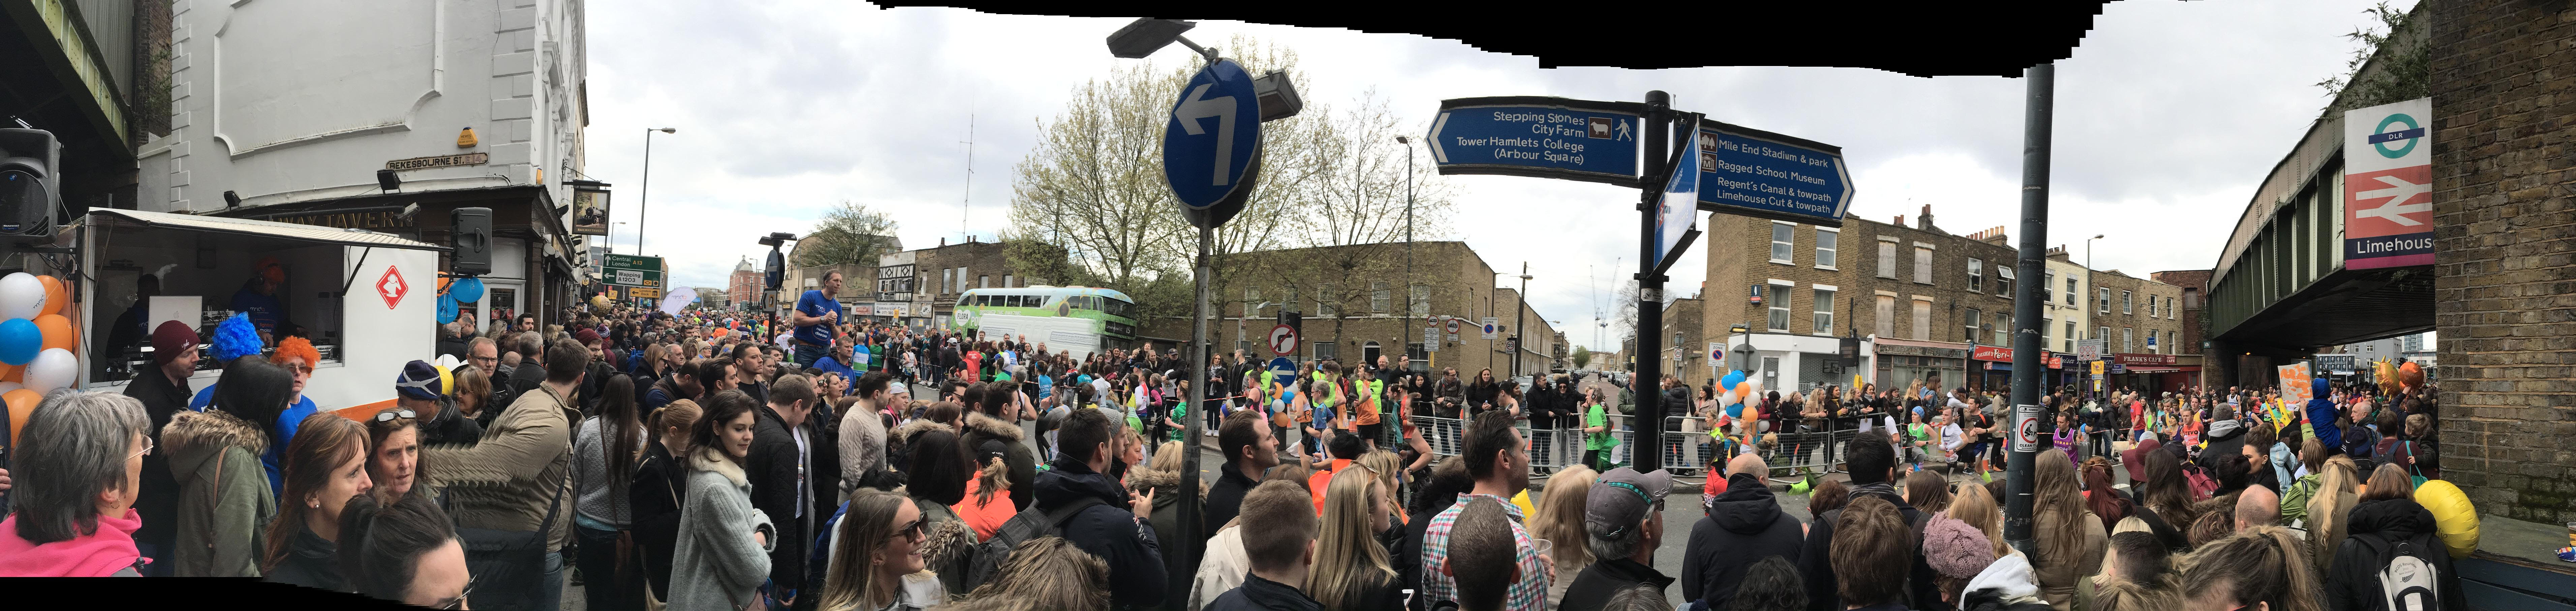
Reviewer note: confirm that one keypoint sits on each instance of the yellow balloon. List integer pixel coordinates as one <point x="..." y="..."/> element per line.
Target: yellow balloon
<point x="2454" y="517"/>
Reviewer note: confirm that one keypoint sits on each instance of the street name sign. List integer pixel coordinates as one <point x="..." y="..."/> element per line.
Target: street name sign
<point x="1212" y="142"/>
<point x="1760" y="174"/>
<point x="1541" y="137"/>
<point x="2388" y="197"/>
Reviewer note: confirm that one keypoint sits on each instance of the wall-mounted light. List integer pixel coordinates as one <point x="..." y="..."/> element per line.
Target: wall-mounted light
<point x="232" y="200"/>
<point x="465" y="138"/>
<point x="389" y="181"/>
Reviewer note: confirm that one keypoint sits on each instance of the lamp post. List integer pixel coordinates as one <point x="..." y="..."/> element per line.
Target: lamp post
<point x="647" y="191"/>
<point x="1408" y="237"/>
<point x="1520" y="315"/>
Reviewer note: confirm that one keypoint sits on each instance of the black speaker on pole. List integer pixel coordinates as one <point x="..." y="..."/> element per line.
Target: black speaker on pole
<point x="30" y="182"/>
<point x="472" y="231"/>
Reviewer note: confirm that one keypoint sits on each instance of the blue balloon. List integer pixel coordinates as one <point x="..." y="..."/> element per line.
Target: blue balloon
<point x="1732" y="378"/>
<point x="466" y="289"/>
<point x="447" y="308"/>
<point x="20" y="341"/>
<point x="1735" y="410"/>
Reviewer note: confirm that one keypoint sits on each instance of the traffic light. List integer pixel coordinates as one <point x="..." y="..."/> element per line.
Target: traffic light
<point x="30" y="182"/>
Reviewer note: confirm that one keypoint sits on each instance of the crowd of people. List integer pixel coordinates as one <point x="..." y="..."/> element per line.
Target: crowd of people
<point x="699" y="461"/>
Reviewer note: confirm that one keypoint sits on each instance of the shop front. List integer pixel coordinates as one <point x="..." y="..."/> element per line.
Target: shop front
<point x="1899" y="363"/>
<point x="1991" y="369"/>
<point x="2157" y="373"/>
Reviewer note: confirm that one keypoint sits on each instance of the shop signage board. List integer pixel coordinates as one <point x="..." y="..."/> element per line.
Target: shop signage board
<point x="2388" y="185"/>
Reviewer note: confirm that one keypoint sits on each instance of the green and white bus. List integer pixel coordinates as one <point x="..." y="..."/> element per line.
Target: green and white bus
<point x="1082" y="320"/>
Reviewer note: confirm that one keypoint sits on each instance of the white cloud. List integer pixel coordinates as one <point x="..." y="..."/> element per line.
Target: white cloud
<point x="2166" y="118"/>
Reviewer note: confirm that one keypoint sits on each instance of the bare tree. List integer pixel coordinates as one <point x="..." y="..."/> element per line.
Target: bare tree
<point x="849" y="233"/>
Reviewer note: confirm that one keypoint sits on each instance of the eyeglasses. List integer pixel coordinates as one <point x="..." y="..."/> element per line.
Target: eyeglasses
<point x="459" y="600"/>
<point x="395" y="413"/>
<point x="915" y="531"/>
<point x="147" y="448"/>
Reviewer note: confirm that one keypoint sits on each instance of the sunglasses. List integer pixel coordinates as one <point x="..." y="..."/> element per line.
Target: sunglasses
<point x="915" y="531"/>
<point x="459" y="600"/>
<point x="391" y="414"/>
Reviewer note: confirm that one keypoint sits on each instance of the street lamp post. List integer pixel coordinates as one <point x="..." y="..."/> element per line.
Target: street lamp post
<point x="647" y="191"/>
<point x="1520" y="315"/>
<point x="1408" y="236"/>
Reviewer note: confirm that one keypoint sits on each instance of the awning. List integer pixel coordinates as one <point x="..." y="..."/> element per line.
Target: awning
<point x="2154" y="369"/>
<point x="263" y="229"/>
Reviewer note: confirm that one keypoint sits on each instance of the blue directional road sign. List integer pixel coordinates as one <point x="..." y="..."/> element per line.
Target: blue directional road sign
<point x="1762" y="174"/>
<point x="1538" y="136"/>
<point x="1283" y="369"/>
<point x="1213" y="134"/>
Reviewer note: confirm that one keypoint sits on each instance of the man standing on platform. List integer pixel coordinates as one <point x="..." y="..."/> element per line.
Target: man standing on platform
<point x="816" y="312"/>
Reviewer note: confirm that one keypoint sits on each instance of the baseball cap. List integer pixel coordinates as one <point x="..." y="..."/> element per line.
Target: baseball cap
<point x="984" y="454"/>
<point x="419" y="380"/>
<point x="1623" y="497"/>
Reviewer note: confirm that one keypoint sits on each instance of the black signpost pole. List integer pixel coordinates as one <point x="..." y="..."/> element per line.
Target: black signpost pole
<point x="2029" y="425"/>
<point x="1647" y="384"/>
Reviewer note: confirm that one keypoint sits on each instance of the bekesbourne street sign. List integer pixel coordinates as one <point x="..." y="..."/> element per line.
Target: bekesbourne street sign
<point x="1212" y="143"/>
<point x="1766" y="175"/>
<point x="1538" y="136"/>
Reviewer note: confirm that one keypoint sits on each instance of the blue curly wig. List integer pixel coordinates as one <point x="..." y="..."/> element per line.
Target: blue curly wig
<point x="235" y="338"/>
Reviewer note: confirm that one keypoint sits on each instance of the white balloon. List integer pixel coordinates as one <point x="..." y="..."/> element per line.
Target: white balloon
<point x="54" y="368"/>
<point x="21" y="296"/>
<point x="5" y="387"/>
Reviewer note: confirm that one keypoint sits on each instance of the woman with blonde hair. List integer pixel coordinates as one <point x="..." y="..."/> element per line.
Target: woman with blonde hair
<point x="876" y="558"/>
<point x="2070" y="537"/>
<point x="2254" y="569"/>
<point x="1160" y="478"/>
<point x="2330" y="509"/>
<point x="1046" y="573"/>
<point x="1351" y="571"/>
<point x="1560" y="522"/>
<point x="1976" y="507"/>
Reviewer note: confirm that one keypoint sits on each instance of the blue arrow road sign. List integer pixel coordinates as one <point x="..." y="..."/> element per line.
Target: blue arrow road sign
<point x="1283" y="369"/>
<point x="1214" y="130"/>
<point x="1762" y="174"/>
<point x="1538" y="136"/>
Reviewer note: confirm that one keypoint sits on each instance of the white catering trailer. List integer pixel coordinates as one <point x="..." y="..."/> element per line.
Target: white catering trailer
<point x="367" y="300"/>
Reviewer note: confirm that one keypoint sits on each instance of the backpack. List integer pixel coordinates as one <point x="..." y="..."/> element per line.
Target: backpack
<point x="2202" y="485"/>
<point x="1030" y="524"/>
<point x="2407" y="583"/>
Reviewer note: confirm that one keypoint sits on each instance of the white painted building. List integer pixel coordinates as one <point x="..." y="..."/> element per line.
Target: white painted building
<point x="287" y="110"/>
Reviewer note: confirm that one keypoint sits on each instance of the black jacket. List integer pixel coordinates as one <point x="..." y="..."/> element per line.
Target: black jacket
<point x="1022" y="464"/>
<point x="773" y="467"/>
<point x="1257" y="594"/>
<point x="1110" y="531"/>
<point x="450" y="426"/>
<point x="2226" y="438"/>
<point x="1605" y="579"/>
<point x="1225" y="499"/>
<point x="308" y="563"/>
<point x="451" y="345"/>
<point x="528" y="375"/>
<point x="1814" y="559"/>
<point x="659" y="489"/>
<point x="2377" y="528"/>
<point x="1744" y="526"/>
<point x="158" y="498"/>
<point x="1409" y="553"/>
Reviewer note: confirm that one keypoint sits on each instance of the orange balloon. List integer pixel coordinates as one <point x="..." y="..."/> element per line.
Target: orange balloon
<point x="57" y="331"/>
<point x="57" y="295"/>
<point x="22" y="404"/>
<point x="13" y="373"/>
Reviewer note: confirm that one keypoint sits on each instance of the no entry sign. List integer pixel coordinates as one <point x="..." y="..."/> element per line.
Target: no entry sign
<point x="1283" y="340"/>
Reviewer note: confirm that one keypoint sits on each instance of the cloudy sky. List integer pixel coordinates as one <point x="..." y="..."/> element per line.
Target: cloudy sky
<point x="2167" y="117"/>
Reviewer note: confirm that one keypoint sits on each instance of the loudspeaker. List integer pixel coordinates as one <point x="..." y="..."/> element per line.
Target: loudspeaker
<point x="473" y="236"/>
<point x="30" y="182"/>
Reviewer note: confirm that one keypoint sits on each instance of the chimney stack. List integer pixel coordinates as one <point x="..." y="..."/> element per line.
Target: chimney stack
<point x="1900" y="220"/>
<point x="1926" y="218"/>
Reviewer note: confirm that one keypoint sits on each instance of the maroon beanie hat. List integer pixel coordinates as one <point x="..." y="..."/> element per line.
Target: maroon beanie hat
<point x="172" y="338"/>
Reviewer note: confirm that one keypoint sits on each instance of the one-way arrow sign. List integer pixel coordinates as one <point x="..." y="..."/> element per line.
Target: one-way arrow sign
<point x="1212" y="143"/>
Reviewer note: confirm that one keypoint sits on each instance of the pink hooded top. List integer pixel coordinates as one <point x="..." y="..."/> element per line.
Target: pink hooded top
<point x="100" y="554"/>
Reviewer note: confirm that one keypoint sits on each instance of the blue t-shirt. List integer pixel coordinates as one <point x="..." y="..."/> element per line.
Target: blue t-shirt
<point x="264" y="310"/>
<point x="859" y="356"/>
<point x="815" y="304"/>
<point x="287" y="421"/>
<point x="1046" y="386"/>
